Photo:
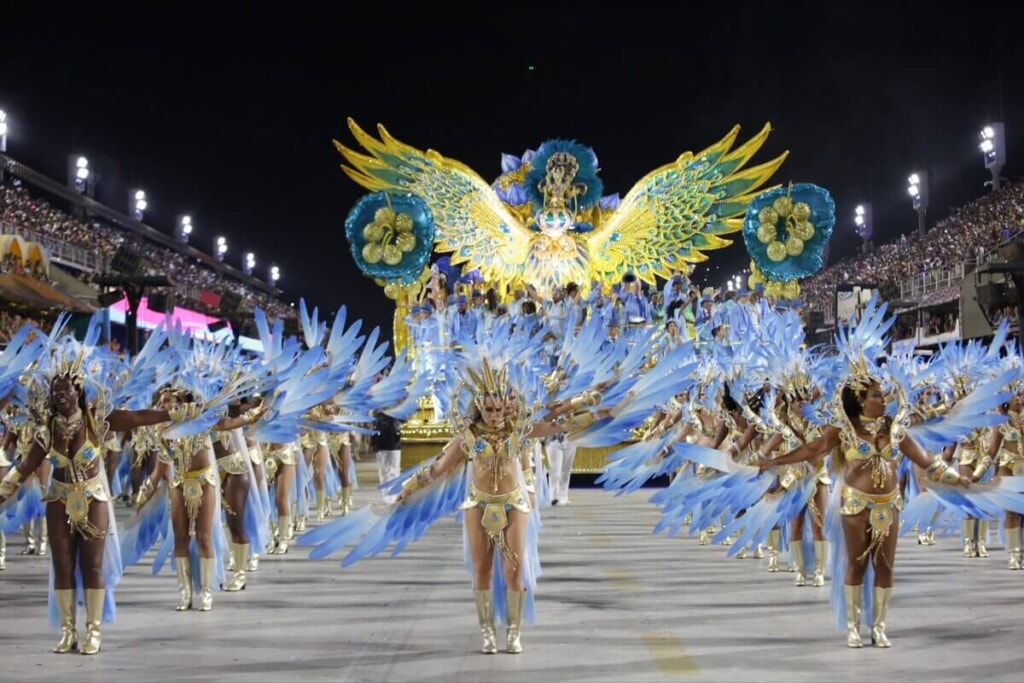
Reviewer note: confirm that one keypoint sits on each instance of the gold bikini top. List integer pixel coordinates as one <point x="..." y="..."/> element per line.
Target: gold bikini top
<point x="86" y="454"/>
<point x="493" y="449"/>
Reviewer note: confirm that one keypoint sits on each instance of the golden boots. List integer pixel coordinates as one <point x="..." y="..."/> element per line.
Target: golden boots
<point x="820" y="548"/>
<point x="485" y="615"/>
<point x="854" y="599"/>
<point x="183" y="566"/>
<point x="206" y="572"/>
<point x="65" y="600"/>
<point x="516" y="602"/>
<point x="240" y="554"/>
<point x="796" y="549"/>
<point x="323" y="508"/>
<point x="968" y="533"/>
<point x="982" y="538"/>
<point x="346" y="500"/>
<point x="881" y="609"/>
<point x="284" y="527"/>
<point x="94" y="598"/>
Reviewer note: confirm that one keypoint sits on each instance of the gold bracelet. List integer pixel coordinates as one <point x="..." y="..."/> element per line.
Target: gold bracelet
<point x="183" y="412"/>
<point x="10" y="483"/>
<point x="417" y="481"/>
<point x="145" y="492"/>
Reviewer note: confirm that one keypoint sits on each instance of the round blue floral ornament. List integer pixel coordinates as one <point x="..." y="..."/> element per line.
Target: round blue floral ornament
<point x="786" y="230"/>
<point x="391" y="236"/>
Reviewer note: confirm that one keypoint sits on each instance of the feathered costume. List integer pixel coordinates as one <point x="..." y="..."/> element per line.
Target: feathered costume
<point x="504" y="368"/>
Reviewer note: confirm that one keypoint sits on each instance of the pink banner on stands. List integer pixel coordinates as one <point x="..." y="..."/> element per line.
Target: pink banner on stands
<point x="191" y="321"/>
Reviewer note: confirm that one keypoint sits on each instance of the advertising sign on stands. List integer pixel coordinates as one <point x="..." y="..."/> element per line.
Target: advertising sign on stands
<point x="193" y="322"/>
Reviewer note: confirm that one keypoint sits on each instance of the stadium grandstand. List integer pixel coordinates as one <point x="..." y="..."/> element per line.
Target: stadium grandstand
<point x="61" y="250"/>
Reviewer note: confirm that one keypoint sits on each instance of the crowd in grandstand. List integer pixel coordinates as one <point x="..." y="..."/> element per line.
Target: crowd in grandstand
<point x="10" y="323"/>
<point x="35" y="218"/>
<point x="981" y="224"/>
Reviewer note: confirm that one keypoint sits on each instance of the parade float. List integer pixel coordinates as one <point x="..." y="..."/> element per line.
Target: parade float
<point x="546" y="220"/>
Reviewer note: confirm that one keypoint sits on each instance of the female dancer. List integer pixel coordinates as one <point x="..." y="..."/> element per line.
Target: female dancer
<point x="78" y="513"/>
<point x="187" y="465"/>
<point x="495" y="443"/>
<point x="869" y="447"/>
<point x="1006" y="442"/>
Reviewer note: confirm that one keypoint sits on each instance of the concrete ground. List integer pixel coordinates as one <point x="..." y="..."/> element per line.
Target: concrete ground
<point x="614" y="604"/>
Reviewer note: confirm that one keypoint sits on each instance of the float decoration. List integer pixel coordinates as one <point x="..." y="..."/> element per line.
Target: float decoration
<point x="786" y="231"/>
<point x="391" y="236"/>
<point x="545" y="222"/>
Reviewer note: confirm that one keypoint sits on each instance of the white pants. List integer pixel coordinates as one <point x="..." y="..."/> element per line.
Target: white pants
<point x="560" y="457"/>
<point x="389" y="466"/>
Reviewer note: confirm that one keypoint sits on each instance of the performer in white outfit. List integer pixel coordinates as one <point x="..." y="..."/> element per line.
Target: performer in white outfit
<point x="561" y="454"/>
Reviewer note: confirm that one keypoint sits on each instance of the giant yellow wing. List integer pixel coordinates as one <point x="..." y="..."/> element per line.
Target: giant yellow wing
<point x="473" y="224"/>
<point x="679" y="211"/>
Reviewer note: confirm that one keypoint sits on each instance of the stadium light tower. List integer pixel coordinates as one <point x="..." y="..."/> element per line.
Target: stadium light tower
<point x="864" y="225"/>
<point x="139" y="204"/>
<point x="918" y="191"/>
<point x="3" y="131"/>
<point x="275" y="274"/>
<point x="250" y="263"/>
<point x="184" y="228"/>
<point x="993" y="146"/>
<point x="222" y="248"/>
<point x="79" y="174"/>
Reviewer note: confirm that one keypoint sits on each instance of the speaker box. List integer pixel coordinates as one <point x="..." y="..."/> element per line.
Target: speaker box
<point x="125" y="261"/>
<point x="162" y="302"/>
<point x="107" y="299"/>
<point x="816" y="319"/>
<point x="229" y="303"/>
<point x="993" y="295"/>
<point x="216" y="326"/>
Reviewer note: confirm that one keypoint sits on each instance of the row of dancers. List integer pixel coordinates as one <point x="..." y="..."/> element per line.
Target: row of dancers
<point x="760" y="436"/>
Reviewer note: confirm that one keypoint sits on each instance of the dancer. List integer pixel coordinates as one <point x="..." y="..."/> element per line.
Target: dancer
<point x="79" y="515"/>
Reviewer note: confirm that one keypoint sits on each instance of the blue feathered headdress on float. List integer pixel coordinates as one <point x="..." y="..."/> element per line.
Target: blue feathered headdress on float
<point x="585" y="176"/>
<point x="391" y="236"/>
<point x="786" y="231"/>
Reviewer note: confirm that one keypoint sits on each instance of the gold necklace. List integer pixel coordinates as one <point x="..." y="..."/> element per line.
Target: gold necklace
<point x="66" y="427"/>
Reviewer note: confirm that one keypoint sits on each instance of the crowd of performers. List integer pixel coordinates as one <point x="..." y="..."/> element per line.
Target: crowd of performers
<point x="819" y="456"/>
<point x="218" y="447"/>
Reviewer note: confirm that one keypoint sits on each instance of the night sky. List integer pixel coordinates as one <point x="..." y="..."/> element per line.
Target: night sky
<point x="230" y="116"/>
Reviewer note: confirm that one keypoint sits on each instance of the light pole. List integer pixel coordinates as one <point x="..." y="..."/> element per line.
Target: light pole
<point x="993" y="146"/>
<point x="3" y="131"/>
<point x="250" y="263"/>
<point x="864" y="225"/>
<point x="918" y="191"/>
<point x="184" y="228"/>
<point x="275" y="274"/>
<point x="80" y="177"/>
<point x="222" y="248"/>
<point x="139" y="204"/>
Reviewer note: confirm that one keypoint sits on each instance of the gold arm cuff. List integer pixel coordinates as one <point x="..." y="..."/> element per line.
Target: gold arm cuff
<point x="588" y="399"/>
<point x="145" y="493"/>
<point x="982" y="466"/>
<point x="10" y="483"/>
<point x="187" y="411"/>
<point x="417" y="481"/>
<point x="530" y="477"/>
<point x="942" y="473"/>
<point x="580" y="420"/>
